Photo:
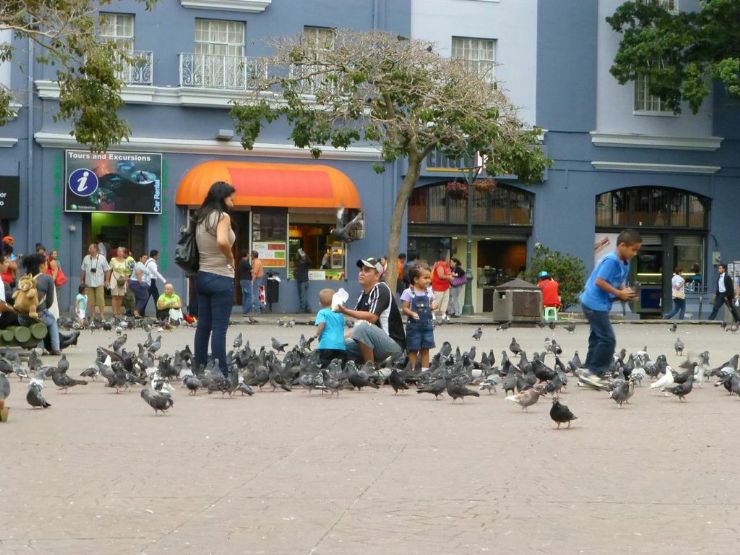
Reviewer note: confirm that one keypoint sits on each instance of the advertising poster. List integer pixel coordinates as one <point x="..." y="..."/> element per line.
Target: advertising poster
<point x="124" y="182"/>
<point x="604" y="243"/>
<point x="9" y="196"/>
<point x="273" y="254"/>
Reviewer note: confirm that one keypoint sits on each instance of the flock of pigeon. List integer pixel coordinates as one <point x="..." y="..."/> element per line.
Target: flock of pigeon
<point x="459" y="374"/>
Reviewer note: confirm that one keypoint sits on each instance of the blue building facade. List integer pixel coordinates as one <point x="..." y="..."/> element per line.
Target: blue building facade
<point x="192" y="58"/>
<point x="619" y="159"/>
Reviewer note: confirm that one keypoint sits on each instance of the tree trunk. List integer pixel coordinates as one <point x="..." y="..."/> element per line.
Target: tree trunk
<point x="402" y="199"/>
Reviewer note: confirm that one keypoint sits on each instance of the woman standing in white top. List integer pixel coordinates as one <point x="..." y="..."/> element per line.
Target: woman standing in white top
<point x="678" y="292"/>
<point x="214" y="281"/>
<point x="153" y="271"/>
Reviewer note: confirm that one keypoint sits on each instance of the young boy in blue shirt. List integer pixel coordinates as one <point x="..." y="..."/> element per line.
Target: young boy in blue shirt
<point x="606" y="284"/>
<point x="329" y="331"/>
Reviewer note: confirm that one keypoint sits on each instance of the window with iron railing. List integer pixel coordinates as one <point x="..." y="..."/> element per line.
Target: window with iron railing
<point x="218" y="59"/>
<point x="119" y="28"/>
<point x="437" y="160"/>
<point x="670" y="5"/>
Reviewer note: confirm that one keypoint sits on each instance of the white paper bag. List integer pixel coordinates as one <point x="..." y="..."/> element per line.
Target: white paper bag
<point x="339" y="298"/>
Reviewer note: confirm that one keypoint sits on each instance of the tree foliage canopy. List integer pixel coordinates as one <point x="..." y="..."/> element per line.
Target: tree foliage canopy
<point x="393" y="92"/>
<point x="87" y="69"/>
<point x="568" y="270"/>
<point x="681" y="53"/>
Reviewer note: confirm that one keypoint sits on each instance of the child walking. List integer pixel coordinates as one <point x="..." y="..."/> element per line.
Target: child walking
<point x="81" y="306"/>
<point x="606" y="284"/>
<point x="329" y="331"/>
<point x="417" y="302"/>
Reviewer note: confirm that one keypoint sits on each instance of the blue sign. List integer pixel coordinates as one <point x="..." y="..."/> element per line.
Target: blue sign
<point x="83" y="182"/>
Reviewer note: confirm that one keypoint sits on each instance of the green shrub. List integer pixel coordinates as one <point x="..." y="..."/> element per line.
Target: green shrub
<point x="568" y="270"/>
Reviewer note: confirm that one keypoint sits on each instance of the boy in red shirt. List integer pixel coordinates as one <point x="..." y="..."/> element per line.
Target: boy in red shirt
<point x="549" y="287"/>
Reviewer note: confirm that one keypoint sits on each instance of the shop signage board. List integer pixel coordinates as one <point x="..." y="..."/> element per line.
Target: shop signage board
<point x="9" y="196"/>
<point x="273" y="254"/>
<point x="121" y="182"/>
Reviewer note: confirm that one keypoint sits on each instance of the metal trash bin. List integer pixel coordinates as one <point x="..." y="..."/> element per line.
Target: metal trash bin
<point x="272" y="290"/>
<point x="517" y="301"/>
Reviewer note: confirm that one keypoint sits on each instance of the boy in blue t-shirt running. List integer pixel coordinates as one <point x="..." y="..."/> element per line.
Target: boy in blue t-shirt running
<point x="606" y="284"/>
<point x="329" y="331"/>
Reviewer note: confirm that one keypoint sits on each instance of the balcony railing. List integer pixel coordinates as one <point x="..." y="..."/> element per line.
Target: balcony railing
<point x="140" y="70"/>
<point x="220" y="72"/>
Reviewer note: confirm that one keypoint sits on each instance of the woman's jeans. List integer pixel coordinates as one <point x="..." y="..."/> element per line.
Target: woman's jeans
<point x="215" y="299"/>
<point x="455" y="308"/>
<point x="246" y="285"/>
<point x="601" y="341"/>
<point x="47" y="318"/>
<point x="679" y="307"/>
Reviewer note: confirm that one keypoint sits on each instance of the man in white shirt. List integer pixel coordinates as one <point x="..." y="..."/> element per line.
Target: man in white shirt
<point x="154" y="275"/>
<point x="678" y="293"/>
<point x="95" y="276"/>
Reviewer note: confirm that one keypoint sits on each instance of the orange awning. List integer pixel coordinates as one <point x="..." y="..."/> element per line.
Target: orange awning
<point x="259" y="184"/>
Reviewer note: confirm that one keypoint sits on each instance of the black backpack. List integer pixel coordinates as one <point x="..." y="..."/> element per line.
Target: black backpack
<point x="186" y="251"/>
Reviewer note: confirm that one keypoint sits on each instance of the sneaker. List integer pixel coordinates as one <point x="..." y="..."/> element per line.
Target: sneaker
<point x="589" y="379"/>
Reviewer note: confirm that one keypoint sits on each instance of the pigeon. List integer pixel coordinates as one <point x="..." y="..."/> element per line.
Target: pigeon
<point x="35" y="398"/>
<point x="478" y="333"/>
<point x="192" y="383"/>
<point x="342" y="232"/>
<point x="514" y="346"/>
<point x="158" y="401"/>
<point x="561" y="413"/>
<point x="279" y="347"/>
<point x="666" y="380"/>
<point x="458" y="390"/>
<point x="4" y="390"/>
<point x="678" y="345"/>
<point x="504" y="326"/>
<point x="238" y="341"/>
<point x="622" y="390"/>
<point x="63" y="381"/>
<point x="118" y="343"/>
<point x="673" y="327"/>
<point x="397" y="381"/>
<point x="359" y="378"/>
<point x="436" y="387"/>
<point x="570" y="327"/>
<point x="63" y="364"/>
<point x="304" y="343"/>
<point x="526" y="398"/>
<point x="681" y="390"/>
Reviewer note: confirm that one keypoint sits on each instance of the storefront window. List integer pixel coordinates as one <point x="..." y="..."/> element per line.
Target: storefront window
<point x="651" y="207"/>
<point x="503" y="205"/>
<point x="311" y="232"/>
<point x="688" y="252"/>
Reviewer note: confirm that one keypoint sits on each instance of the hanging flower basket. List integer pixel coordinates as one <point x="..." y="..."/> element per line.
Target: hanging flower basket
<point x="484" y="185"/>
<point x="457" y="190"/>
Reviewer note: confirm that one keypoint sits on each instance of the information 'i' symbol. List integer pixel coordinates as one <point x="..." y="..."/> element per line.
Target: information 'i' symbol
<point x="83" y="182"/>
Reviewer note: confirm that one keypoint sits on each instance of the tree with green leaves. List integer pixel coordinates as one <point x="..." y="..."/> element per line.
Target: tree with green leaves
<point x="682" y="53"/>
<point x="568" y="270"/>
<point x="88" y="70"/>
<point x="393" y="92"/>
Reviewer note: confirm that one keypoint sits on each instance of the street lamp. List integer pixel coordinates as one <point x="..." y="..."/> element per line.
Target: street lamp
<point x="469" y="174"/>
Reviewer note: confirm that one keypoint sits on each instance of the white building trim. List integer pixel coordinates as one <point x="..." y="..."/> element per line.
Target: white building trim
<point x="635" y="140"/>
<point x="250" y="6"/>
<point x="654" y="168"/>
<point x="7" y="142"/>
<point x="215" y="147"/>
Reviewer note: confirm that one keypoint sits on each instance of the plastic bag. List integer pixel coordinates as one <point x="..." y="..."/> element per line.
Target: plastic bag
<point x="339" y="298"/>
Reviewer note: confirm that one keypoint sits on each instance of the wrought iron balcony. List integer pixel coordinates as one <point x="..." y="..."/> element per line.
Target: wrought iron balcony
<point x="209" y="71"/>
<point x="140" y="70"/>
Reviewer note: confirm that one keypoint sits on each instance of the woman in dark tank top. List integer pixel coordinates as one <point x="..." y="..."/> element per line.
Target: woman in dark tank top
<point x="215" y="278"/>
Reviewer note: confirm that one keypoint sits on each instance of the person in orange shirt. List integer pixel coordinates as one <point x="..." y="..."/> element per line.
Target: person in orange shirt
<point x="401" y="283"/>
<point x="549" y="287"/>
<point x="258" y="279"/>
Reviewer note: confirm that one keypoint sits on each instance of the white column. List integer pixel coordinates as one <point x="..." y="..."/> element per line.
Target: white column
<point x="6" y="36"/>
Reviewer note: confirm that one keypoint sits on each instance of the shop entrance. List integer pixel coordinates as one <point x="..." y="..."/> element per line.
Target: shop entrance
<point x="117" y="230"/>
